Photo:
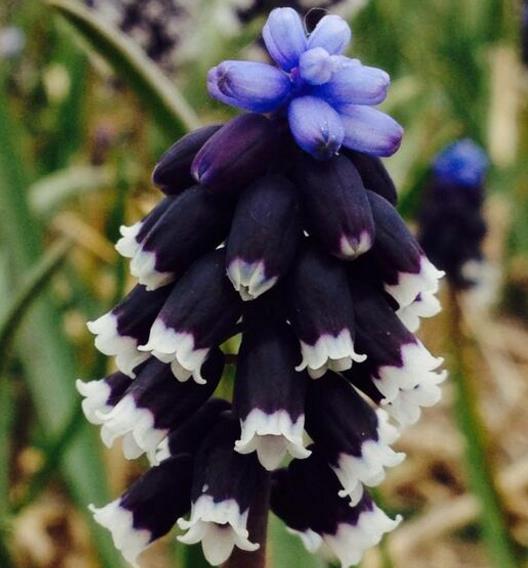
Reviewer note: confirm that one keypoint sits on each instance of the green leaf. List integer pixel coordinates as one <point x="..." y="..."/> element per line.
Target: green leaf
<point x="44" y="351"/>
<point x="48" y="194"/>
<point x="171" y="111"/>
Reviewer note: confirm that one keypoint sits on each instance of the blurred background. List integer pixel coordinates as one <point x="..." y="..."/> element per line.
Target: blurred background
<point x="86" y="111"/>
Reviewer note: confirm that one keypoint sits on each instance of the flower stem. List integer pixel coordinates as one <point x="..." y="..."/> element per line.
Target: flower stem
<point x="494" y="525"/>
<point x="258" y="528"/>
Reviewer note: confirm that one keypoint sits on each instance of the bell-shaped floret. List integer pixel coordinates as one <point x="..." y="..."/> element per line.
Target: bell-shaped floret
<point x="336" y="205"/>
<point x="154" y="404"/>
<point x="355" y="439"/>
<point x="195" y="223"/>
<point x="270" y="393"/>
<point x="223" y="488"/>
<point x="321" y="312"/>
<point x="264" y="236"/>
<point x="149" y="508"/>
<point x="120" y="331"/>
<point x="200" y="313"/>
<point x="172" y="173"/>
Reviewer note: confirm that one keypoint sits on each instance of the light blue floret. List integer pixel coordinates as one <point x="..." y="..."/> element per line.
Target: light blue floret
<point x="328" y="98"/>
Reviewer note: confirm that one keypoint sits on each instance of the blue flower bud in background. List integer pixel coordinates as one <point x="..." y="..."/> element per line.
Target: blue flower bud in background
<point x="463" y="163"/>
<point x="452" y="226"/>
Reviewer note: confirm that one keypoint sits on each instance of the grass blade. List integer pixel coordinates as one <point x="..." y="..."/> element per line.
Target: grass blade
<point x="171" y="111"/>
<point x="49" y="371"/>
<point x="29" y="292"/>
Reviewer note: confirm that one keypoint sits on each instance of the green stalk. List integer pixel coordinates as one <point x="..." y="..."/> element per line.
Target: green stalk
<point x="494" y="524"/>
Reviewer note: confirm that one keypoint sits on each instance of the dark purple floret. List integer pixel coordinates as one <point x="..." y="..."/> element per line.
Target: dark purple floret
<point x="264" y="235"/>
<point x="172" y="173"/>
<point x="187" y="438"/>
<point x="237" y="154"/>
<point x="160" y="496"/>
<point x="374" y="175"/>
<point x="339" y="215"/>
<point x="195" y="223"/>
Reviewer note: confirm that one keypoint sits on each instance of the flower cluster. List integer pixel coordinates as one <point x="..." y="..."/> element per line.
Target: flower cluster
<point x="451" y="223"/>
<point x="156" y="25"/>
<point x="328" y="98"/>
<point x="309" y="263"/>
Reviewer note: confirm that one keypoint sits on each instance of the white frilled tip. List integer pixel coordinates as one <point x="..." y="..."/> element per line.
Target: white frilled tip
<point x="350" y="542"/>
<point x="369" y="469"/>
<point x="414" y="385"/>
<point x="135" y="425"/>
<point x="143" y="267"/>
<point x="426" y="305"/>
<point x="329" y="352"/>
<point x="109" y="342"/>
<point x="127" y="245"/>
<point x="311" y="540"/>
<point x="410" y="285"/>
<point x="95" y="395"/>
<point x="161" y="454"/>
<point x="219" y="526"/>
<point x="249" y="278"/>
<point x="176" y="348"/>
<point x="119" y="521"/>
<point x="351" y="247"/>
<point x="272" y="436"/>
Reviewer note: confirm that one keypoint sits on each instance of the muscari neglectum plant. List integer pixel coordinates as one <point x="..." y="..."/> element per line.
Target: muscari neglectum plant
<point x="279" y="226"/>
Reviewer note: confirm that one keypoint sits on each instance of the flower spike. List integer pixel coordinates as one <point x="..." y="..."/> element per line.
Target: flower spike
<point x="278" y="242"/>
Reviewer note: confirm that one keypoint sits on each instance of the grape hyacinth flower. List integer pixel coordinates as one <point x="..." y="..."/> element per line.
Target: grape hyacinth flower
<point x="452" y="226"/>
<point x="157" y="26"/>
<point x="279" y="227"/>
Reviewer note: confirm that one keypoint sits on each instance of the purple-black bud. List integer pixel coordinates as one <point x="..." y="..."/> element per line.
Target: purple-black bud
<point x="374" y="175"/>
<point x="172" y="173"/>
<point x="195" y="223"/>
<point x="321" y="312"/>
<point x="264" y="236"/>
<point x="199" y="314"/>
<point x="238" y="153"/>
<point x="336" y="205"/>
